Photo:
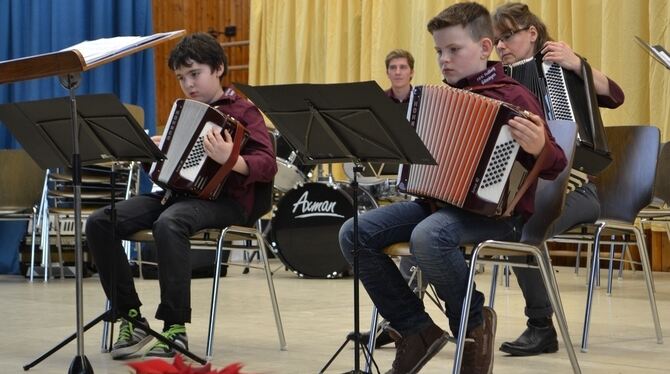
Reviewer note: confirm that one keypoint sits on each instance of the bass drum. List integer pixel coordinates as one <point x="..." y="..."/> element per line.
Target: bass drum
<point x="306" y="225"/>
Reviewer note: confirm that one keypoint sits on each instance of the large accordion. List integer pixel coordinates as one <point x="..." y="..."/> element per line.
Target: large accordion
<point x="468" y="136"/>
<point x="566" y="96"/>
<point x="187" y="168"/>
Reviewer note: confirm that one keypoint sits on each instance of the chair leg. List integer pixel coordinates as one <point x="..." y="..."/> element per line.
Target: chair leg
<point x="36" y="217"/>
<point x="271" y="287"/>
<point x="624" y="249"/>
<point x="214" y="301"/>
<point x="595" y="259"/>
<point x="644" y="257"/>
<point x="578" y="258"/>
<point x="507" y="273"/>
<point x="494" y="282"/>
<point x="550" y="285"/>
<point x="610" y="269"/>
<point x="465" y="313"/>
<point x="106" y="327"/>
<point x="372" y="339"/>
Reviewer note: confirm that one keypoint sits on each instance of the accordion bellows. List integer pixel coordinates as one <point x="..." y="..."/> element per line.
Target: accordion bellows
<point x="187" y="168"/>
<point x="468" y="136"/>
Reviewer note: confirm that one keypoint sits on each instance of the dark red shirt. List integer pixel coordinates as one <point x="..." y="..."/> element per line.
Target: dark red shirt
<point x="615" y="98"/>
<point x="390" y="94"/>
<point x="258" y="151"/>
<point x="506" y="89"/>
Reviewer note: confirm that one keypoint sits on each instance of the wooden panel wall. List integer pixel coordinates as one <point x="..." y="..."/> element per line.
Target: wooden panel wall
<point x="198" y="16"/>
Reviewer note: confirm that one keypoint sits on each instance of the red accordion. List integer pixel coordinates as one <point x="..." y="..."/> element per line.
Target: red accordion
<point x="468" y="136"/>
<point x="187" y="168"/>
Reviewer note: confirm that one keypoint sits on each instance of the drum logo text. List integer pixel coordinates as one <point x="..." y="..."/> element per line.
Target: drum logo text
<point x="314" y="208"/>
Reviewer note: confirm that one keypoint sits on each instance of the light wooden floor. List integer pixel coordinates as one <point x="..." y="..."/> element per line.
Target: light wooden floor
<point x="317" y="314"/>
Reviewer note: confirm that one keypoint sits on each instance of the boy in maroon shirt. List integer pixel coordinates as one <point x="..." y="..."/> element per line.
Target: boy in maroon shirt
<point x="199" y="62"/>
<point x="463" y="38"/>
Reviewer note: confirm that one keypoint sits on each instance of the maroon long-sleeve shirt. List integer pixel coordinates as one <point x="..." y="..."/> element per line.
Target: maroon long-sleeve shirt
<point x="258" y="151"/>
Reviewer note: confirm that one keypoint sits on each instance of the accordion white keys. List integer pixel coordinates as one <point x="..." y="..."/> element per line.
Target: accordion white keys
<point x="567" y="96"/>
<point x="468" y="136"/>
<point x="187" y="168"/>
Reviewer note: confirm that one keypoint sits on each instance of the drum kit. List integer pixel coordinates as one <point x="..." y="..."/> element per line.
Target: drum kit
<point x="310" y="208"/>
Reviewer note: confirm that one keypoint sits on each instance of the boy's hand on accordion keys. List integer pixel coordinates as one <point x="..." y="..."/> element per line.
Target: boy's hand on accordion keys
<point x="528" y="132"/>
<point x="218" y="147"/>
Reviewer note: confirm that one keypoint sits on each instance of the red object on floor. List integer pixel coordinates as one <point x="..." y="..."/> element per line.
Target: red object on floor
<point x="178" y="366"/>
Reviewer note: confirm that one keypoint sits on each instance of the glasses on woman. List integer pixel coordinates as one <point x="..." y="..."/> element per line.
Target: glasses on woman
<point x="506" y="36"/>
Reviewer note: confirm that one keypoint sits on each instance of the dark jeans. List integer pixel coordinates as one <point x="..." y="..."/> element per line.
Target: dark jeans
<point x="435" y="240"/>
<point x="581" y="206"/>
<point x="172" y="225"/>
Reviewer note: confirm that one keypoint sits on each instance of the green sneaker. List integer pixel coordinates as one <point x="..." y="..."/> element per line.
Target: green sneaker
<point x="177" y="334"/>
<point x="131" y="339"/>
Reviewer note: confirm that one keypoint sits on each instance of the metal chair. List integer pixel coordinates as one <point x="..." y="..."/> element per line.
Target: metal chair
<point x="220" y="239"/>
<point x="549" y="198"/>
<point x="624" y="188"/>
<point x="659" y="210"/>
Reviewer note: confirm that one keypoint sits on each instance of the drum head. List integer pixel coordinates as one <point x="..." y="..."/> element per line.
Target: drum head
<point x="288" y="176"/>
<point x="306" y="225"/>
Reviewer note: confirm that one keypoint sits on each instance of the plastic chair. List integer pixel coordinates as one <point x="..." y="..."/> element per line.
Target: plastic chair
<point x="624" y="188"/>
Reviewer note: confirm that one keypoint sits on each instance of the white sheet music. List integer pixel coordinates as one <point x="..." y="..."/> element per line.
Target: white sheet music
<point x="95" y="50"/>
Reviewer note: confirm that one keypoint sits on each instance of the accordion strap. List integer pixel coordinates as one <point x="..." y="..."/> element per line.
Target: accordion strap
<point x="530" y="178"/>
<point x="225" y="169"/>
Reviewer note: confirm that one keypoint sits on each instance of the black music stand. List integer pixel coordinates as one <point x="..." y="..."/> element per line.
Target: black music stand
<point x="107" y="132"/>
<point x="345" y="122"/>
<point x="68" y="65"/>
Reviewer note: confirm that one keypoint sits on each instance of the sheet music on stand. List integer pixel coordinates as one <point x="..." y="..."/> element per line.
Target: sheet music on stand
<point x="657" y="51"/>
<point x="96" y="50"/>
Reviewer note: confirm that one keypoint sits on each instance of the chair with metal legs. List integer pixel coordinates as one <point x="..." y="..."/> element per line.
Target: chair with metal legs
<point x="624" y="188"/>
<point x="549" y="198"/>
<point x="221" y="239"/>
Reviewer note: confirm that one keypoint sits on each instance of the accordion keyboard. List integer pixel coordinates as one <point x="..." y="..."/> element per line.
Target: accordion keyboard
<point x="558" y="93"/>
<point x="499" y="166"/>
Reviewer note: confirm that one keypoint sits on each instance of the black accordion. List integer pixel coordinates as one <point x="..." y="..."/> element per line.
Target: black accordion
<point x="468" y="136"/>
<point x="187" y="168"/>
<point x="566" y="96"/>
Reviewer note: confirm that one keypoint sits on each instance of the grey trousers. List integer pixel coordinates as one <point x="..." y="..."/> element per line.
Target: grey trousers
<point x="581" y="206"/>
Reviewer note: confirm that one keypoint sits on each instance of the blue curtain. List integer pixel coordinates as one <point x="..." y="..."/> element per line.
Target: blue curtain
<point x="30" y="27"/>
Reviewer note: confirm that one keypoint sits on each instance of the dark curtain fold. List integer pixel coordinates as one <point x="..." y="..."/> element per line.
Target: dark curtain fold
<point x="30" y="27"/>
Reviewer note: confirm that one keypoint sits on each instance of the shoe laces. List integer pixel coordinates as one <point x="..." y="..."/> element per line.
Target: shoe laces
<point x="170" y="334"/>
<point x="126" y="329"/>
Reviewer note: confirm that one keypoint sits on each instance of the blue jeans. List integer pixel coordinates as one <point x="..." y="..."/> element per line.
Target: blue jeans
<point x="435" y="240"/>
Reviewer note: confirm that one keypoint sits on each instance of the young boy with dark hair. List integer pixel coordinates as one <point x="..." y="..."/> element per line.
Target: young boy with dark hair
<point x="198" y="62"/>
<point x="462" y="34"/>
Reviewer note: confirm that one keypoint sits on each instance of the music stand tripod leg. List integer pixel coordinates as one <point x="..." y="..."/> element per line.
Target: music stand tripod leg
<point x="80" y="364"/>
<point x="355" y="335"/>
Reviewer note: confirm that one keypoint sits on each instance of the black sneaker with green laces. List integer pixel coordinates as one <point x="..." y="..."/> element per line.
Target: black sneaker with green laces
<point x="176" y="334"/>
<point x="131" y="338"/>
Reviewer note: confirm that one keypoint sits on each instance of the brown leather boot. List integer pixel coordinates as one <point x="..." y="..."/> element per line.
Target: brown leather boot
<point x="414" y="351"/>
<point x="478" y="352"/>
